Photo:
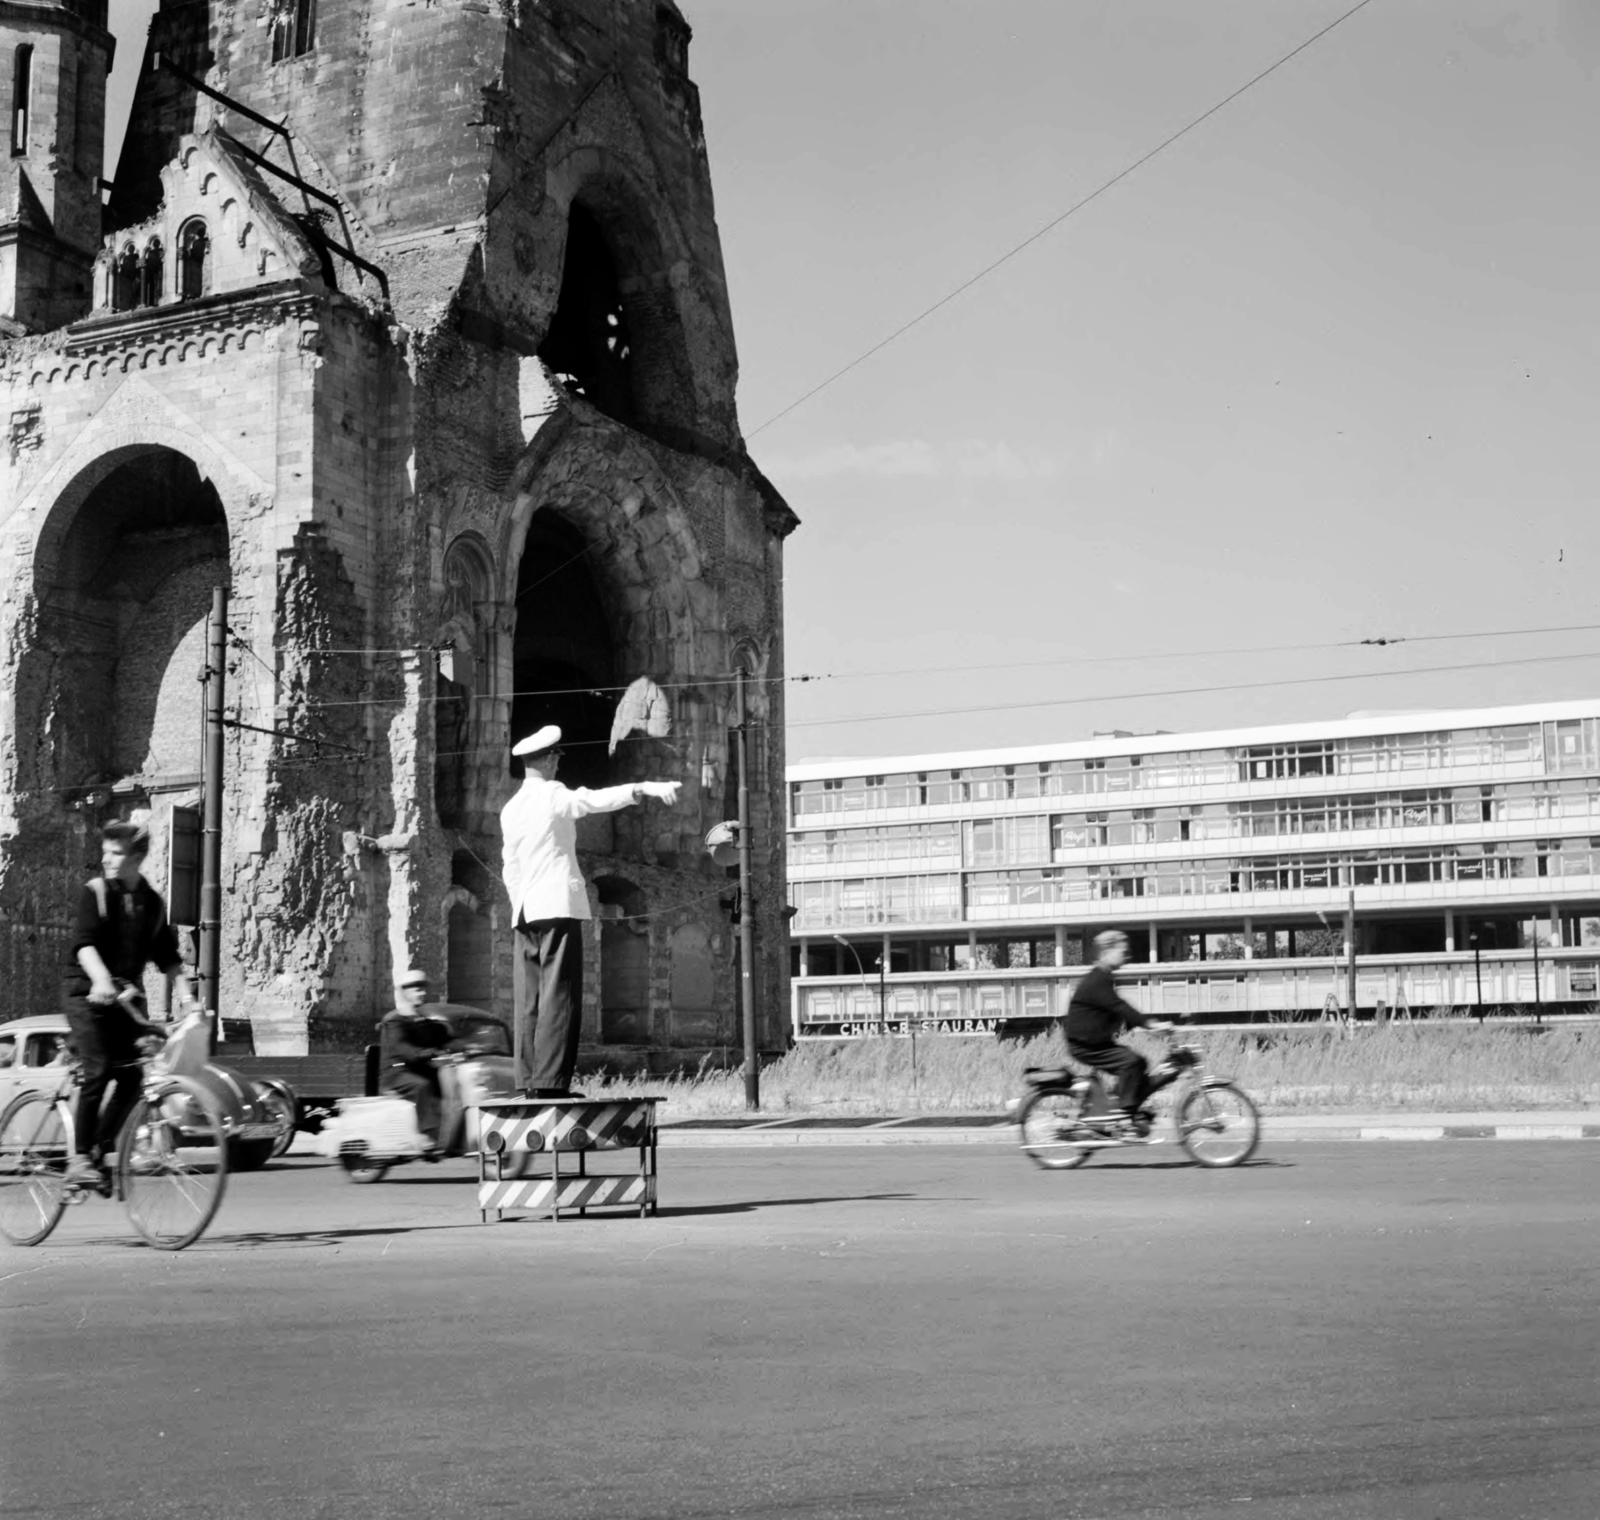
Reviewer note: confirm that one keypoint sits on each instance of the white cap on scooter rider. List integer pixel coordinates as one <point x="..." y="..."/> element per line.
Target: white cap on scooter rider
<point x="412" y="978"/>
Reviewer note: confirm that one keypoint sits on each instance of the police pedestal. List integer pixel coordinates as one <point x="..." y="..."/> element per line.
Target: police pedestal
<point x="533" y="1154"/>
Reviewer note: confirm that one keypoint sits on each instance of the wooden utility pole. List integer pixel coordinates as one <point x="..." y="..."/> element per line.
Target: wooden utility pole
<point x="209" y="949"/>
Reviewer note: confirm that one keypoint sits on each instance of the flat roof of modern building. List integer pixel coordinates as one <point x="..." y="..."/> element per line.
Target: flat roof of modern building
<point x="1355" y="725"/>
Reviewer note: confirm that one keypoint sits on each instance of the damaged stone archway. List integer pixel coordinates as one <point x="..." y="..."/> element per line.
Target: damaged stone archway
<point x="104" y="702"/>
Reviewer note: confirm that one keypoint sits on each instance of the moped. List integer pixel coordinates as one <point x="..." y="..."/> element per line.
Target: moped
<point x="369" y="1134"/>
<point x="1065" y="1115"/>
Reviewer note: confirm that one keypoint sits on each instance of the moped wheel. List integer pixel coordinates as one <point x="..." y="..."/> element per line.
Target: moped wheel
<point x="1048" y="1121"/>
<point x="34" y="1151"/>
<point x="360" y="1167"/>
<point x="1218" y="1125"/>
<point x="172" y="1162"/>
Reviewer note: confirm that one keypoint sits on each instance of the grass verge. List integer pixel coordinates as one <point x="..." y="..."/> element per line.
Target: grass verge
<point x="1416" y="1068"/>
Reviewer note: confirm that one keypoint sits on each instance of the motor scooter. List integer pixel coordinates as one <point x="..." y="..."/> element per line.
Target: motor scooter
<point x="371" y="1133"/>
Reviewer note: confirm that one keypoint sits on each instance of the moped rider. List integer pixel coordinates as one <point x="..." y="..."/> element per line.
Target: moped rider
<point x="410" y="1043"/>
<point x="1096" y="1015"/>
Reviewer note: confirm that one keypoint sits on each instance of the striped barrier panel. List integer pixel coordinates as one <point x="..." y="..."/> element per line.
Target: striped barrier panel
<point x="558" y="1193"/>
<point x="530" y="1124"/>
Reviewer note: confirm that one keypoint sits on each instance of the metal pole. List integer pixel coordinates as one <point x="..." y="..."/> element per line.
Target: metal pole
<point x="1538" y="997"/>
<point x="1350" y="944"/>
<point x="1477" y="967"/>
<point x="209" y="950"/>
<point x="883" y="998"/>
<point x="747" y="918"/>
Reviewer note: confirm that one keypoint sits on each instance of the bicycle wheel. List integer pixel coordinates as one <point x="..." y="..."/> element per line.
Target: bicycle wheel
<point x="1218" y="1125"/>
<point x="1048" y="1120"/>
<point x="172" y="1163"/>
<point x="35" y="1147"/>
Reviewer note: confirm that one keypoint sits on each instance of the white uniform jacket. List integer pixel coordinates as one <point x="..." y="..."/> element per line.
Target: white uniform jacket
<point x="539" y="855"/>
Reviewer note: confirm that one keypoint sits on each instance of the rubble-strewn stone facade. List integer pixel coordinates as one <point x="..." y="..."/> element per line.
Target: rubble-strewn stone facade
<point x="482" y="475"/>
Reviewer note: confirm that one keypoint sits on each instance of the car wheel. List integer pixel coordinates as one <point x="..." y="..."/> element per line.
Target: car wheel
<point x="277" y="1103"/>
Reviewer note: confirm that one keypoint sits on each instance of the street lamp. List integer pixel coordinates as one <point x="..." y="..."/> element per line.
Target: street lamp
<point x="861" y="970"/>
<point x="883" y="997"/>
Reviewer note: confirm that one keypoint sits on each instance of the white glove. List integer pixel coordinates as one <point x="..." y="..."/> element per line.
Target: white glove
<point x="662" y="791"/>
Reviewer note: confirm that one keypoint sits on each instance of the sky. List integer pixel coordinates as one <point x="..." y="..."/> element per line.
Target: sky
<point x="1325" y="369"/>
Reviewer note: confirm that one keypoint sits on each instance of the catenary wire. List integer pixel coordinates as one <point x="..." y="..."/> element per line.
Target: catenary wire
<point x="1056" y="221"/>
<point x="1388" y="641"/>
<point x="1192" y="691"/>
<point x="1131" y="696"/>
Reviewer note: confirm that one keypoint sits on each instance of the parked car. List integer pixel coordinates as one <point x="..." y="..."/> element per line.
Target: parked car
<point x="260" y="1115"/>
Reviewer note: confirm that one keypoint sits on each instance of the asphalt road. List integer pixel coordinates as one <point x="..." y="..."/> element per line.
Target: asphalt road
<point x="1345" y="1332"/>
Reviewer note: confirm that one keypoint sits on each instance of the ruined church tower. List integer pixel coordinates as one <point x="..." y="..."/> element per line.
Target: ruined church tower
<point x="408" y="324"/>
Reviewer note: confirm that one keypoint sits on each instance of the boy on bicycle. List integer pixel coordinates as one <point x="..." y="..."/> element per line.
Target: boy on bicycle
<point x="122" y="927"/>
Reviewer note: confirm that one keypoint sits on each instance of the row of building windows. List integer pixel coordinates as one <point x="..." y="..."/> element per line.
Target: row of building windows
<point x="138" y="276"/>
<point x="1042" y="837"/>
<point x="1300" y="940"/>
<point x="1566" y="746"/>
<point x="911" y="899"/>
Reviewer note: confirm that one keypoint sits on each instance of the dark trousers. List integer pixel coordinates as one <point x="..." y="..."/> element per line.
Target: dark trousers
<point x="1131" y="1070"/>
<point x="106" y="1040"/>
<point x="550" y="1019"/>
<point x="421" y="1087"/>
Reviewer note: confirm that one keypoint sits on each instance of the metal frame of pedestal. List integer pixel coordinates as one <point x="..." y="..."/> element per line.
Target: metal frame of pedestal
<point x="522" y="1129"/>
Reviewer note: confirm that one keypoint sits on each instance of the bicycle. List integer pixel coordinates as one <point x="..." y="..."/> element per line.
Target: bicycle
<point x="171" y="1162"/>
<point x="1066" y="1116"/>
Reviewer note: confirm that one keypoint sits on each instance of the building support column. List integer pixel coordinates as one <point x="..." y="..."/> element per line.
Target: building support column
<point x="1061" y="944"/>
<point x="1449" y="931"/>
<point x="1151" y="930"/>
<point x="1249" y="939"/>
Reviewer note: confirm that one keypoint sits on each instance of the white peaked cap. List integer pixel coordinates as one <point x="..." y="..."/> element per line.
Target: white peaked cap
<point x="536" y="744"/>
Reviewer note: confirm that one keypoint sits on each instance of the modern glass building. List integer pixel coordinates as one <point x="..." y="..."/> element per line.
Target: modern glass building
<point x="960" y="890"/>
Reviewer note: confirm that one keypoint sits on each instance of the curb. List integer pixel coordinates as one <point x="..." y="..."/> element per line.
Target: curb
<point x="1328" y="1128"/>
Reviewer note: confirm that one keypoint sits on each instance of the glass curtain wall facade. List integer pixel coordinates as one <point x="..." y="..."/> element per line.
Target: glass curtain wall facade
<point x="960" y="891"/>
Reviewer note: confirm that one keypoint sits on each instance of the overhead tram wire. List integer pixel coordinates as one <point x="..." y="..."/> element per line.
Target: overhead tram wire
<point x="1192" y="691"/>
<point x="1056" y="221"/>
<point x="1124" y="696"/>
<point x="1382" y="642"/>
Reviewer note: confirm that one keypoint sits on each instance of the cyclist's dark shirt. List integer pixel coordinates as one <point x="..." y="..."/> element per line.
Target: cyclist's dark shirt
<point x="133" y="934"/>
<point x="1096" y="1015"/>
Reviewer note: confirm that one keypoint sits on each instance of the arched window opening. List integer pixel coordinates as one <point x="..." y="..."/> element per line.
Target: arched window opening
<point x="563" y="658"/>
<point x="194" y="261"/>
<point x="150" y="272"/>
<point x="294" y="28"/>
<point x="125" y="280"/>
<point x="21" y="98"/>
<point x="462" y="639"/>
<point x="123" y="596"/>
<point x="587" y="346"/>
